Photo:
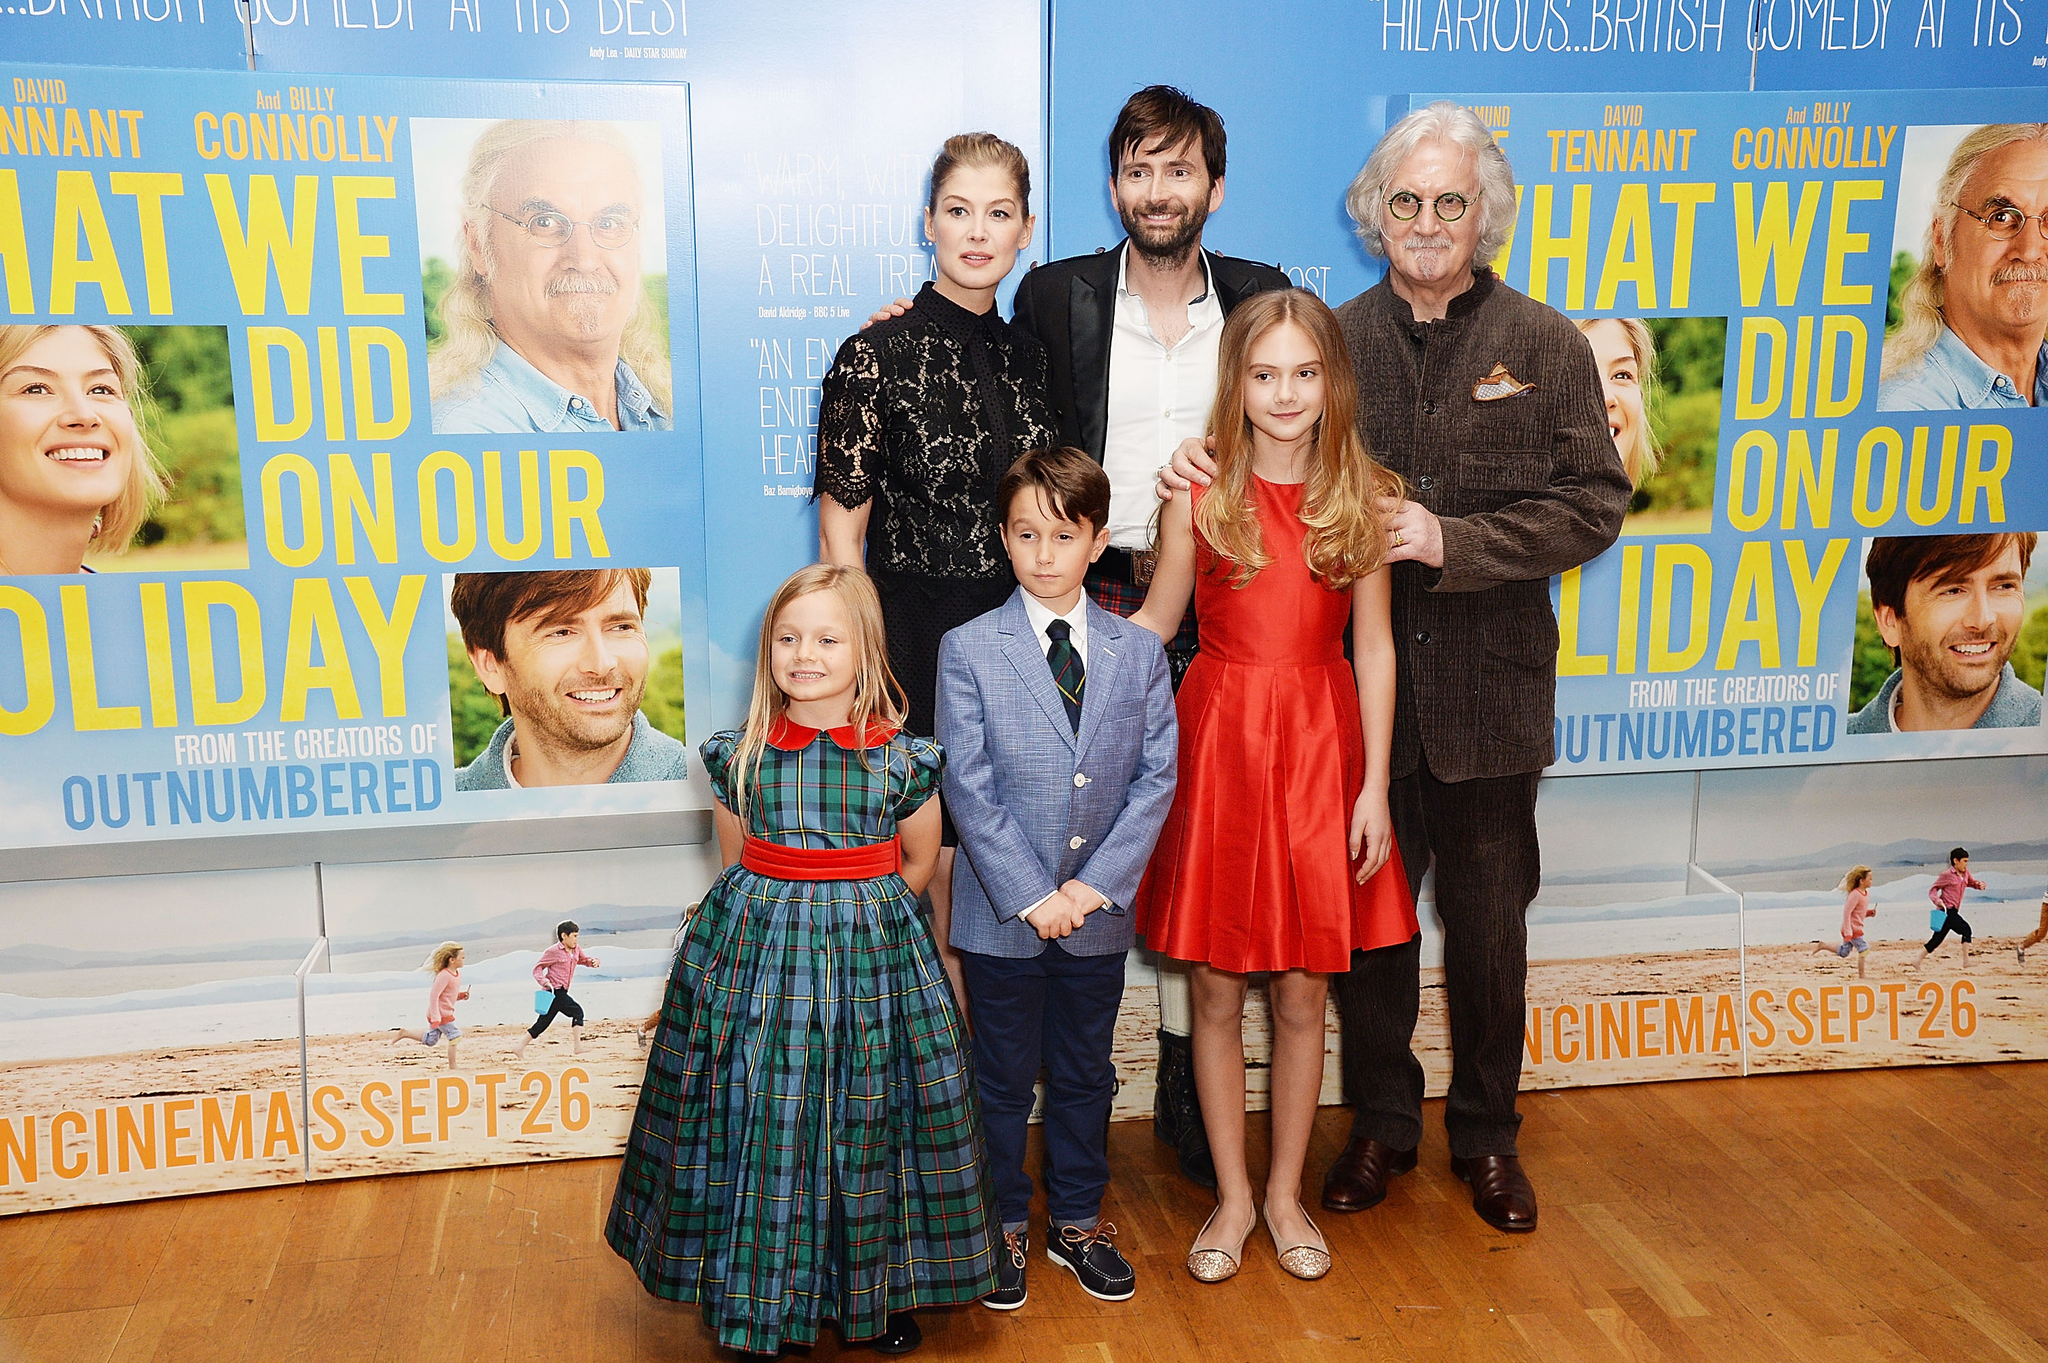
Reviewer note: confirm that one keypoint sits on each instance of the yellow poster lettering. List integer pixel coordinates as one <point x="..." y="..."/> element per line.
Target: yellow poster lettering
<point x="1669" y="559"/>
<point x="388" y="632"/>
<point x="1752" y="615"/>
<point x="314" y="620"/>
<point x="357" y="246"/>
<point x="78" y="212"/>
<point x="1571" y="248"/>
<point x="305" y="481"/>
<point x="1631" y="257"/>
<point x="263" y="395"/>
<point x="266" y="239"/>
<point x="201" y="600"/>
<point x="530" y="526"/>
<point x="87" y="714"/>
<point x="1842" y="243"/>
<point x="571" y="511"/>
<point x="441" y="545"/>
<point x="1570" y="663"/>
<point x="353" y="505"/>
<point x="1988" y="481"/>
<point x="1810" y="590"/>
<point x="149" y="189"/>
<point x="14" y="248"/>
<point x="398" y="382"/>
<point x="1803" y="480"/>
<point x="1769" y="242"/>
<point x="38" y="672"/>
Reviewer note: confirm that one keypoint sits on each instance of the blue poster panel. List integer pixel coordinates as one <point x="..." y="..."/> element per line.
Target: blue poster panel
<point x="815" y="128"/>
<point x="1820" y="327"/>
<point x="189" y="33"/>
<point x="345" y="481"/>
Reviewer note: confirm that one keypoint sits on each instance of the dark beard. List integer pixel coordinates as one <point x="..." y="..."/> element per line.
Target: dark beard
<point x="1172" y="251"/>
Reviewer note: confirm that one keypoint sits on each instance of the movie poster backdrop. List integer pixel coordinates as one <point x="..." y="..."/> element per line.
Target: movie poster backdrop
<point x="271" y="653"/>
<point x="1761" y="244"/>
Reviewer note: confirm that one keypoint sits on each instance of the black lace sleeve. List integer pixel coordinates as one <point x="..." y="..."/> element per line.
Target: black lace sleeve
<point x="850" y="425"/>
<point x="1034" y="387"/>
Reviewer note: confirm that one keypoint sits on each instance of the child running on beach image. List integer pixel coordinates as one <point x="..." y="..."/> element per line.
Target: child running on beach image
<point x="1855" y="909"/>
<point x="1946" y="894"/>
<point x="556" y="971"/>
<point x="2027" y="943"/>
<point x="442" y="996"/>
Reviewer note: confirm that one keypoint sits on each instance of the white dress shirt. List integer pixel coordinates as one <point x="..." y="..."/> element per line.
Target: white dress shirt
<point x="1158" y="397"/>
<point x="1040" y="616"/>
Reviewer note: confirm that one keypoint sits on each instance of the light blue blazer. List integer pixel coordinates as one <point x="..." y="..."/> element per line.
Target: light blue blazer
<point x="1037" y="804"/>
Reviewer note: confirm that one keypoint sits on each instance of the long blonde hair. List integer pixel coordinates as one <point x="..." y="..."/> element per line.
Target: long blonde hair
<point x="443" y="954"/>
<point x="1926" y="294"/>
<point x="877" y="698"/>
<point x="468" y="338"/>
<point x="147" y="484"/>
<point x="1857" y="875"/>
<point x="1642" y="457"/>
<point x="1346" y="537"/>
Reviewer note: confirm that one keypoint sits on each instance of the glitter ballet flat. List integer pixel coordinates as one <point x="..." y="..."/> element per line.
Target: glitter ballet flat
<point x="1216" y="1265"/>
<point x="1308" y="1259"/>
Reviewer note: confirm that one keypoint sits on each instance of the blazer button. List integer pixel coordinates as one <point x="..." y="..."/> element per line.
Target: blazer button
<point x="1425" y="482"/>
<point x="1075" y="843"/>
<point x="1079" y="780"/>
<point x="1421" y="636"/>
<point x="1432" y="407"/>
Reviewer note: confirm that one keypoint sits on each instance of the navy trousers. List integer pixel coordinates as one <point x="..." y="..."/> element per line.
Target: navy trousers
<point x="1058" y="1012"/>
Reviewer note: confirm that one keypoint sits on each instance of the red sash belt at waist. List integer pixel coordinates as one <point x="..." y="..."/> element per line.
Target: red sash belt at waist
<point x="867" y="862"/>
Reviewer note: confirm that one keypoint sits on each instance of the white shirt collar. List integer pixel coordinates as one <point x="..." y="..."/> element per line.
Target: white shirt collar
<point x="1123" y="266"/>
<point x="1041" y="615"/>
<point x="511" y="756"/>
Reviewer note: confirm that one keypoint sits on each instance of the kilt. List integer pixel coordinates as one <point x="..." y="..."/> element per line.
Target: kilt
<point x="1120" y="597"/>
<point x="807" y="1146"/>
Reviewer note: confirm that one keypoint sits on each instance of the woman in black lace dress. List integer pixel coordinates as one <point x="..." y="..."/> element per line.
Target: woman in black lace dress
<point x="919" y="417"/>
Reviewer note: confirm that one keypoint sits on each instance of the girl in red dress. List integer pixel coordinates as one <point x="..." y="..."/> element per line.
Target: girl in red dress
<point x="1279" y="853"/>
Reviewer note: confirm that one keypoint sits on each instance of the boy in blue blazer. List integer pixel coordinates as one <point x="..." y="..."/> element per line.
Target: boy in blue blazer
<point x="1058" y="723"/>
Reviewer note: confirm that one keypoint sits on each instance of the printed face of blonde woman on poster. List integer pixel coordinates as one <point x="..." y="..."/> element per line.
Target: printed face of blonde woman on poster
<point x="74" y="466"/>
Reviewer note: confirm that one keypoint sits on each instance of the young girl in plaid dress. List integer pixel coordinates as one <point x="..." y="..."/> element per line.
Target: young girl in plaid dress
<point x="806" y="1147"/>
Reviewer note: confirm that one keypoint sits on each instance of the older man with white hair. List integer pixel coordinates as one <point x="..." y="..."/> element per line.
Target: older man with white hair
<point x="1489" y="404"/>
<point x="1974" y="317"/>
<point x="544" y="326"/>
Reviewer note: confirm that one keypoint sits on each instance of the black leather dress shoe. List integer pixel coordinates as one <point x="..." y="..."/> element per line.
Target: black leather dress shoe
<point x="1501" y="1192"/>
<point x="1358" y="1177"/>
<point x="901" y="1337"/>
<point x="1177" y="1113"/>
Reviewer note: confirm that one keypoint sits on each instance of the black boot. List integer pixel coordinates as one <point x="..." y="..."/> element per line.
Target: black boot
<point x="1177" y="1113"/>
<point x="901" y="1336"/>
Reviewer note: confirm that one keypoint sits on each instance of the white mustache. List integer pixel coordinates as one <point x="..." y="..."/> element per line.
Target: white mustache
<point x="1439" y="242"/>
<point x="2020" y="273"/>
<point x="576" y="281"/>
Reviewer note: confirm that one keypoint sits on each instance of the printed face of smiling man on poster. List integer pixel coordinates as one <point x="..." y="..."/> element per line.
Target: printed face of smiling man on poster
<point x="567" y="658"/>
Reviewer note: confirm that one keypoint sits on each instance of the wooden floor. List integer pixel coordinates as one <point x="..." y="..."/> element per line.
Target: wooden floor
<point x="1893" y="1214"/>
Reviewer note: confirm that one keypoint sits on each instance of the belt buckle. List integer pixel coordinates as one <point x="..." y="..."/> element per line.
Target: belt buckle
<point x="1143" y="564"/>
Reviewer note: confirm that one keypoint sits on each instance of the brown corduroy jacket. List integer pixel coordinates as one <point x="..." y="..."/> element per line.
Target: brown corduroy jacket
<point x="1526" y="486"/>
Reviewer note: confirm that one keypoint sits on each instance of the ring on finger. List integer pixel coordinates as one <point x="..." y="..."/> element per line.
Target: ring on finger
<point x="1399" y="539"/>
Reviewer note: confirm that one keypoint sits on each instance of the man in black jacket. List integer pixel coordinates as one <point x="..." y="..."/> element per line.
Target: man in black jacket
<point x="1489" y="405"/>
<point x="1131" y="335"/>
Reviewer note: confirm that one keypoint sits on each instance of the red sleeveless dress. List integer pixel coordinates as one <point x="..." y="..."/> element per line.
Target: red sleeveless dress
<point x="1253" y="869"/>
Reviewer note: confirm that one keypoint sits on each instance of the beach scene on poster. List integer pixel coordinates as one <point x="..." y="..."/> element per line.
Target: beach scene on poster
<point x="149" y="1035"/>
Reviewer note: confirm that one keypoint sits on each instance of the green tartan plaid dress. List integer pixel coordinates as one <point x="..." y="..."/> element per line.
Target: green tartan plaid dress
<point x="807" y="1146"/>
